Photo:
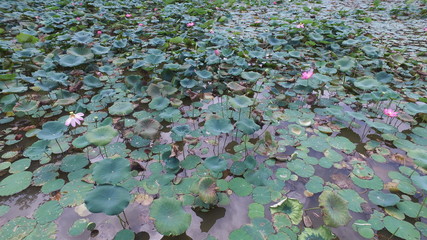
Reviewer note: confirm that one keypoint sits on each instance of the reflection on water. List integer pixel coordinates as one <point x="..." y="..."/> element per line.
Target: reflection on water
<point x="209" y="218"/>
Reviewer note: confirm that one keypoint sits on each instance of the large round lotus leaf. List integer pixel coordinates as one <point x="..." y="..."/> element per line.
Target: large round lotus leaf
<point x="190" y="162"/>
<point x="334" y="209"/>
<point x="53" y="185"/>
<point x="292" y="207"/>
<point x="121" y="108"/>
<point x="215" y="164"/>
<point x="73" y="193"/>
<point x="15" y="183"/>
<point x="36" y="150"/>
<point x="240" y="187"/>
<point x="216" y="126"/>
<point x="78" y="227"/>
<point x="48" y="212"/>
<point x="251" y="76"/>
<point x="204" y="74"/>
<point x="170" y="219"/>
<point x="188" y="83"/>
<point x="125" y="234"/>
<point x="181" y="130"/>
<point x="240" y="102"/>
<point x="321" y="233"/>
<point x="43" y="231"/>
<point x="383" y="199"/>
<point x="81" y="51"/>
<point x="207" y="190"/>
<point x="52" y="130"/>
<point x="108" y="199"/>
<point x="147" y="128"/>
<point x="74" y="162"/>
<point x="413" y="108"/>
<point x="111" y="171"/>
<point x="402" y="229"/>
<point x="80" y="142"/>
<point x="300" y="168"/>
<point x="345" y="64"/>
<point x="71" y="60"/>
<point x="420" y="181"/>
<point x="412" y="209"/>
<point x="83" y="37"/>
<point x="159" y="103"/>
<point x="26" y="106"/>
<point x="255" y="210"/>
<point x="342" y="143"/>
<point x="98" y="49"/>
<point x="92" y="81"/>
<point x="101" y="136"/>
<point x="367" y="83"/>
<point x="353" y="198"/>
<point x="20" y="165"/>
<point x="17" y="228"/>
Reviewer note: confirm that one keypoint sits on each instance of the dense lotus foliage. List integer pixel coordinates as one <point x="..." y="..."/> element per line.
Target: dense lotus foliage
<point x="213" y="119"/>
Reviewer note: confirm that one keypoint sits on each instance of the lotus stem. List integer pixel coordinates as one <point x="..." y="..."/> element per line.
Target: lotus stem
<point x="121" y="222"/>
<point x="105" y="149"/>
<point x="393" y="234"/>
<point x="59" y="145"/>
<point x="421" y="208"/>
<point x="126" y="218"/>
<point x="413" y="172"/>
<point x="313" y="208"/>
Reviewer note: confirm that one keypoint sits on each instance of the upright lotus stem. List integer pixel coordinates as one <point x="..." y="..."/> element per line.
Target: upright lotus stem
<point x="59" y="145"/>
<point x="421" y="208"/>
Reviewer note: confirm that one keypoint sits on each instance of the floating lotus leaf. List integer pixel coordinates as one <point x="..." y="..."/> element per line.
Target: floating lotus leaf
<point x="78" y="227"/>
<point x="26" y="106"/>
<point x="292" y="207"/>
<point x="99" y="50"/>
<point x="240" y="102"/>
<point x="101" y="136"/>
<point x="412" y="209"/>
<point x="413" y="108"/>
<point x="217" y="126"/>
<point x="181" y="130"/>
<point x="345" y="64"/>
<point x="204" y="74"/>
<point x="188" y="83"/>
<point x="367" y="83"/>
<point x="190" y="162"/>
<point x="4" y="209"/>
<point x="159" y="103"/>
<point x="402" y="229"/>
<point x="147" y="128"/>
<point x="215" y="164"/>
<point x="383" y="199"/>
<point x="315" y="36"/>
<point x="342" y="143"/>
<point x="81" y="51"/>
<point x="334" y="209"/>
<point x="247" y="126"/>
<point x="121" y="108"/>
<point x="207" y="190"/>
<point x="53" y="185"/>
<point x="15" y="183"/>
<point x="74" y="192"/>
<point x="74" y="162"/>
<point x="255" y="210"/>
<point x="154" y="59"/>
<point x="48" y="212"/>
<point x="80" y="142"/>
<point x="71" y="60"/>
<point x="353" y="198"/>
<point x="26" y="38"/>
<point x="17" y="228"/>
<point x="170" y="219"/>
<point x="108" y="199"/>
<point x="83" y="37"/>
<point x="20" y="165"/>
<point x="240" y="187"/>
<point x="120" y="43"/>
<point x="111" y="171"/>
<point x="251" y="76"/>
<point x="235" y="86"/>
<point x="92" y="81"/>
<point x="124" y="234"/>
<point x="321" y="233"/>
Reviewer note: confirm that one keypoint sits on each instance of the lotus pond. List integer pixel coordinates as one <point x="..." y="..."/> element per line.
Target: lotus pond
<point x="213" y="119"/>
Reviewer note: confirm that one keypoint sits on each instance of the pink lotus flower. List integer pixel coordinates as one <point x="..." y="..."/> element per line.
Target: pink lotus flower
<point x="140" y="24"/>
<point x="274" y="3"/>
<point x="99" y="32"/>
<point x="190" y="24"/>
<point x="80" y="4"/>
<point x="217" y="52"/>
<point x="128" y="15"/>
<point x="308" y="74"/>
<point x="74" y="119"/>
<point x="390" y="112"/>
<point x="211" y="31"/>
<point x="78" y="19"/>
<point x="301" y="25"/>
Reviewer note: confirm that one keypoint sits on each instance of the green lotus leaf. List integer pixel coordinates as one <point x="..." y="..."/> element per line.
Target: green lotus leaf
<point x="154" y="59"/>
<point x="235" y="87"/>
<point x="363" y="228"/>
<point x="383" y="199"/>
<point x="301" y="168"/>
<point x="342" y="143"/>
<point x="48" y="212"/>
<point x="240" y="102"/>
<point x="188" y="83"/>
<point x="240" y="187"/>
<point x="420" y="181"/>
<point x="413" y="108"/>
<point x="92" y="81"/>
<point x="353" y="198"/>
<point x="247" y="126"/>
<point x="83" y="37"/>
<point x="204" y="74"/>
<point x="99" y="50"/>
<point x="207" y="190"/>
<point x="255" y="210"/>
<point x="170" y="219"/>
<point x="26" y="38"/>
<point x="111" y="171"/>
<point x="17" y="228"/>
<point x="402" y="229"/>
<point x="147" y="128"/>
<point x="20" y="165"/>
<point x="15" y="183"/>
<point x="4" y="209"/>
<point x="321" y="233"/>
<point x="334" y="209"/>
<point x="251" y="76"/>
<point x="315" y="184"/>
<point x="315" y="36"/>
<point x="345" y="64"/>
<point x="190" y="162"/>
<point x="292" y="207"/>
<point x="36" y="150"/>
<point x="52" y="130"/>
<point x="215" y="164"/>
<point x="159" y="103"/>
<point x="133" y="81"/>
<point x="101" y="136"/>
<point x="80" y="142"/>
<point x="53" y="185"/>
<point x="74" y="192"/>
<point x="26" y="106"/>
<point x="121" y="108"/>
<point x="366" y="83"/>
<point x="412" y="209"/>
<point x="217" y="126"/>
<point x="181" y="130"/>
<point x="81" y="51"/>
<point x="108" y="199"/>
<point x="124" y="234"/>
<point x="74" y="162"/>
<point x="78" y="227"/>
<point x="71" y="60"/>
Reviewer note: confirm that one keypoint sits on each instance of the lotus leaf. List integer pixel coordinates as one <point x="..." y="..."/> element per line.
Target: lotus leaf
<point x="345" y="64"/>
<point x="125" y="234"/>
<point x="159" y="103"/>
<point x="74" y="162"/>
<point x="401" y="228"/>
<point x="48" y="212"/>
<point x="78" y="227"/>
<point x="215" y="164"/>
<point x="217" y="126"/>
<point x="251" y="76"/>
<point x="15" y="183"/>
<point x="170" y="219"/>
<point x="207" y="190"/>
<point x="321" y="233"/>
<point x="101" y="136"/>
<point x="92" y="81"/>
<point x="108" y="199"/>
<point x="17" y="228"/>
<point x="71" y="60"/>
<point x="121" y="108"/>
<point x="240" y="186"/>
<point x="334" y="209"/>
<point x="292" y="207"/>
<point x="247" y="126"/>
<point x="147" y="128"/>
<point x="81" y="51"/>
<point x="240" y="102"/>
<point x="383" y="199"/>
